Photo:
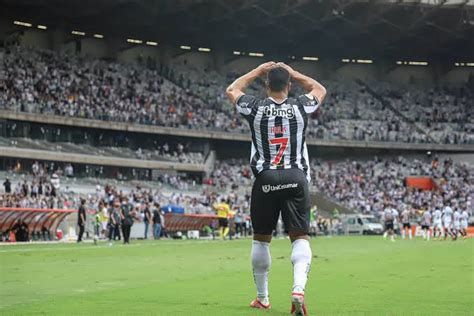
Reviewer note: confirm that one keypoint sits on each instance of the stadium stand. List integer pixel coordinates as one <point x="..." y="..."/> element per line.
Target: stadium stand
<point x="181" y="95"/>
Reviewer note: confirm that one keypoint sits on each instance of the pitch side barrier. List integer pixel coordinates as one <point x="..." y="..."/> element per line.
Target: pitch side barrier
<point x="50" y="219"/>
<point x="184" y="222"/>
<point x="36" y="219"/>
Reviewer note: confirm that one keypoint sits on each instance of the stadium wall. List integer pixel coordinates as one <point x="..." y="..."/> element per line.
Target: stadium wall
<point x="196" y="59"/>
<point x="95" y="48"/>
<point x="459" y="76"/>
<point x="218" y="135"/>
<point x="363" y="72"/>
<point x="420" y="76"/>
<point x="36" y="38"/>
<point x="132" y="54"/>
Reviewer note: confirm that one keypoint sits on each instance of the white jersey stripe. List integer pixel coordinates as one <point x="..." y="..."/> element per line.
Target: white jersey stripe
<point x="258" y="138"/>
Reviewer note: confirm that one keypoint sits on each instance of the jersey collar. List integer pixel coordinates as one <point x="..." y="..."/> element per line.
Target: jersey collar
<point x="273" y="100"/>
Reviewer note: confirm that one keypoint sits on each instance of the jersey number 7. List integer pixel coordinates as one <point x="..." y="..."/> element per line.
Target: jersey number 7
<point x="283" y="143"/>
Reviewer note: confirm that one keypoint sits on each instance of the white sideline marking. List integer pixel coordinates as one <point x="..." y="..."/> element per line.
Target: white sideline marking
<point x="167" y="242"/>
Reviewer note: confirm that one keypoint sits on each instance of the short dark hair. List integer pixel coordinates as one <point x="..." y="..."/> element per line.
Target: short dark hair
<point x="278" y="78"/>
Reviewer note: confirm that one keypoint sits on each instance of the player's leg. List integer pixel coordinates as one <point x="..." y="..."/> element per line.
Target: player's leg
<point x="410" y="235"/>
<point x="226" y="229"/>
<point x="296" y="217"/>
<point x="301" y="255"/>
<point x="261" y="263"/>
<point x="391" y="232"/>
<point x="403" y="231"/>
<point x="264" y="213"/>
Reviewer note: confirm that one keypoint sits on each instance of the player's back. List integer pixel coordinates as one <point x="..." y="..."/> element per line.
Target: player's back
<point x="427" y="218"/>
<point x="447" y="214"/>
<point x="388" y="214"/>
<point x="456" y="216"/>
<point x="405" y="216"/>
<point x="278" y="131"/>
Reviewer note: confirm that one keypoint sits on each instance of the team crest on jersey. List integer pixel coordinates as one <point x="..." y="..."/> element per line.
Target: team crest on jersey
<point x="266" y="188"/>
<point x="286" y="112"/>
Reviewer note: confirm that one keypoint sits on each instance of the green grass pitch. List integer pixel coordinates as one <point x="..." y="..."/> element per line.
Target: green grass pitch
<point x="349" y="276"/>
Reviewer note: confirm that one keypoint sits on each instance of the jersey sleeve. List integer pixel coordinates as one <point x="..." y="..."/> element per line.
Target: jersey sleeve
<point x="245" y="103"/>
<point x="309" y="102"/>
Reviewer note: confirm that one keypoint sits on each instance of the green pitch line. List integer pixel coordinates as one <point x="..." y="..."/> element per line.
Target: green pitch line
<point x="349" y="276"/>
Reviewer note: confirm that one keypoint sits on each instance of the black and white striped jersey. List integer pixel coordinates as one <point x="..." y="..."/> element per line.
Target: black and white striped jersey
<point x="278" y="131"/>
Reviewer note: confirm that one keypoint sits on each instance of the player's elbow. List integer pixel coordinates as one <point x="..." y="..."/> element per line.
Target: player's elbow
<point x="229" y="91"/>
<point x="320" y="92"/>
<point x="323" y="92"/>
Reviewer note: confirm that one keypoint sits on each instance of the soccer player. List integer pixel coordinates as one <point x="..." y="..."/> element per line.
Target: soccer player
<point x="437" y="223"/>
<point x="280" y="163"/>
<point x="425" y="224"/>
<point x="448" y="221"/>
<point x="396" y="219"/>
<point x="464" y="222"/>
<point x="388" y="219"/>
<point x="406" y="222"/>
<point x="223" y="211"/>
<point x="456" y="223"/>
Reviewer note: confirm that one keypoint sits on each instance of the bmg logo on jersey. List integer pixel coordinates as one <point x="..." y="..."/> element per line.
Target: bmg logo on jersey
<point x="271" y="110"/>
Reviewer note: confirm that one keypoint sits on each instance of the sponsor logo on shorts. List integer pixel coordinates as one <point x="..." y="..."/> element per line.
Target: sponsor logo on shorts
<point x="267" y="187"/>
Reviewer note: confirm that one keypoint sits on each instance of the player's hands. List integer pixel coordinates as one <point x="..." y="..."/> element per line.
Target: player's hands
<point x="265" y="68"/>
<point x="285" y="66"/>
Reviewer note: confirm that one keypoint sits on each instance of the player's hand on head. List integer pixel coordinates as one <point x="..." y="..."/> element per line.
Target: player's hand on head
<point x="265" y="67"/>
<point x="285" y="66"/>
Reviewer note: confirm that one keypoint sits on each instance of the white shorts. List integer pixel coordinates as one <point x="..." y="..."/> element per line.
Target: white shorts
<point x="104" y="225"/>
<point x="448" y="225"/>
<point x="457" y="225"/>
<point x="464" y="225"/>
<point x="438" y="224"/>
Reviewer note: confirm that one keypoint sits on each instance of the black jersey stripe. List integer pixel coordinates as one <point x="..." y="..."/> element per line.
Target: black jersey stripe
<point x="265" y="141"/>
<point x="293" y="141"/>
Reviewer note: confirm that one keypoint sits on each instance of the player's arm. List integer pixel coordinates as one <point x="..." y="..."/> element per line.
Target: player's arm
<point x="310" y="85"/>
<point x="236" y="89"/>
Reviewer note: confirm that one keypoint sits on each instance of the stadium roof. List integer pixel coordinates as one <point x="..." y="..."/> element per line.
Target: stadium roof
<point x="391" y="28"/>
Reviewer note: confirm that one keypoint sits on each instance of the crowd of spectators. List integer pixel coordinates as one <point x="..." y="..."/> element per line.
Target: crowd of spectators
<point x="363" y="186"/>
<point x="366" y="186"/>
<point x="185" y="96"/>
<point x="446" y="114"/>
